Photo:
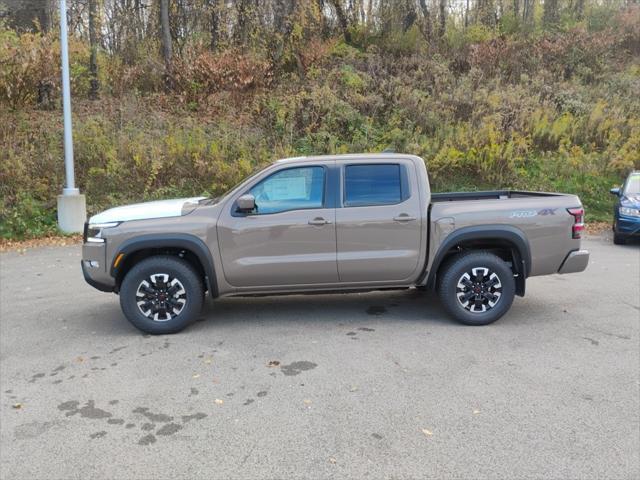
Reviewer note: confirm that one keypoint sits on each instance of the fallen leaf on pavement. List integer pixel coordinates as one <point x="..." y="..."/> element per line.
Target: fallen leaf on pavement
<point x="196" y="375"/>
<point x="273" y="363"/>
<point x="219" y="402"/>
<point x="428" y="433"/>
<point x="476" y="412"/>
<point x="17" y="406"/>
<point x="332" y="460"/>
<point x="307" y="401"/>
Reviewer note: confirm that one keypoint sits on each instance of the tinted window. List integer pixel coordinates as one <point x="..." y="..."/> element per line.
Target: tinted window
<point x="291" y="189"/>
<point x="372" y="185"/>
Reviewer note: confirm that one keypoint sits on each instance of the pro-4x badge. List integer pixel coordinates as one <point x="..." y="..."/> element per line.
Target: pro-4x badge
<point x="547" y="211"/>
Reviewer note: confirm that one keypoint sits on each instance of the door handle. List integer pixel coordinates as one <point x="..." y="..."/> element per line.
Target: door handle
<point x="318" y="221"/>
<point x="403" y="217"/>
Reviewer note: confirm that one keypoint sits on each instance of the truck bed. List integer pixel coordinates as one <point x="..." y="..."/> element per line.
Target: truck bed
<point x="487" y="195"/>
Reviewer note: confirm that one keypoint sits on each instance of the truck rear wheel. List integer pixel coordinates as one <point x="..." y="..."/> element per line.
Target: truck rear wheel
<point x="476" y="288"/>
<point x="161" y="294"/>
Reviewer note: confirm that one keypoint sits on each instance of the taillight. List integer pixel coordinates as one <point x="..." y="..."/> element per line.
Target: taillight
<point x="578" y="222"/>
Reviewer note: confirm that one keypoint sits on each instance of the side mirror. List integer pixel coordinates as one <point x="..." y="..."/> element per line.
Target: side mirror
<point x="615" y="191"/>
<point x="246" y="203"/>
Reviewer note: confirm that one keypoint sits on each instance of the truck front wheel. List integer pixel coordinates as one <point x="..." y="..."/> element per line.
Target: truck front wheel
<point x="476" y="288"/>
<point x="161" y="294"/>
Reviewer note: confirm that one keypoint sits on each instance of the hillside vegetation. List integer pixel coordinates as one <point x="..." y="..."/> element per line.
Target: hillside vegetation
<point x="501" y="104"/>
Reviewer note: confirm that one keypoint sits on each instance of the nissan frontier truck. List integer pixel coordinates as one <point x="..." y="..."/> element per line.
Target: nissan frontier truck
<point x="326" y="224"/>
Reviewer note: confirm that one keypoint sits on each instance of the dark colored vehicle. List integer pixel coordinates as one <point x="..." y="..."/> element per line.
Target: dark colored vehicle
<point x="626" y="212"/>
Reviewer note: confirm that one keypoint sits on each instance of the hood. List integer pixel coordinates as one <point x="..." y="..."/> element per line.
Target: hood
<point x="142" y="211"/>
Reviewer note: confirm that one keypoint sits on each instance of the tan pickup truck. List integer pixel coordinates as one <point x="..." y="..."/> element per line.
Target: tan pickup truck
<point x="331" y="223"/>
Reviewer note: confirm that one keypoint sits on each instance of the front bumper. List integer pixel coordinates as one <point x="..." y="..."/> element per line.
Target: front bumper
<point x="627" y="225"/>
<point x="93" y="266"/>
<point x="97" y="284"/>
<point x="575" y="261"/>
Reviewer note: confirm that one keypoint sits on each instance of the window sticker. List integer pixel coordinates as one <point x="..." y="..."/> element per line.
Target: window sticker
<point x="286" y="188"/>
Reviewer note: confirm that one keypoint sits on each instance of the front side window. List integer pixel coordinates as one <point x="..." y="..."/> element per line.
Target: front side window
<point x="372" y="185"/>
<point x="290" y="189"/>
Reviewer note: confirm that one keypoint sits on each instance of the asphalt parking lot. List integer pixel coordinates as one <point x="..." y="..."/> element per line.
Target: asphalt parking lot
<point x="375" y="385"/>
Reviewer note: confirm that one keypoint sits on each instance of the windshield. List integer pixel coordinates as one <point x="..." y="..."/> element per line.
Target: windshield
<point x="633" y="185"/>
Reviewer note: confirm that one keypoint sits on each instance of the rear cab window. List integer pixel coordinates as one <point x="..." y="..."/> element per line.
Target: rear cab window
<point x="375" y="184"/>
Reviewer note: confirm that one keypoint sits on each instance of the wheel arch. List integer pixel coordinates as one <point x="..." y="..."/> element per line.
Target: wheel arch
<point x="186" y="246"/>
<point x="508" y="242"/>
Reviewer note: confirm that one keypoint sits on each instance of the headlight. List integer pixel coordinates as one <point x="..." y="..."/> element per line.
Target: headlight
<point x="630" y="212"/>
<point x="93" y="231"/>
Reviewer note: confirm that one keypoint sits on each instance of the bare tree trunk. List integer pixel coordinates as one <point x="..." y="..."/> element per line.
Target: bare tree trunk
<point x="443" y="18"/>
<point x="342" y="20"/>
<point x="240" y="33"/>
<point x="550" y="14"/>
<point x="165" y="33"/>
<point x="93" y="43"/>
<point x="214" y="28"/>
<point x="426" y="20"/>
<point x="466" y="15"/>
<point x="579" y="9"/>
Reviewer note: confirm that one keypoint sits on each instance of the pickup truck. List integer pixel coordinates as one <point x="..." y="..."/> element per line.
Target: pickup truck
<point x="331" y="223"/>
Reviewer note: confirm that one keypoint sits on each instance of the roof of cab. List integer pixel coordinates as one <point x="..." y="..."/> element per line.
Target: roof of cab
<point x="349" y="156"/>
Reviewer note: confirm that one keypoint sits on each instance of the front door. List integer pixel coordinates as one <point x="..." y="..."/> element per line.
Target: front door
<point x="290" y="238"/>
<point x="380" y="223"/>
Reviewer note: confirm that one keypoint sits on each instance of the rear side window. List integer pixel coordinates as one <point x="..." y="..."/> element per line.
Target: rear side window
<point x="380" y="184"/>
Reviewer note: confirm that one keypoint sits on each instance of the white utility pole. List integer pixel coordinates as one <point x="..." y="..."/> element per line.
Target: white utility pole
<point x="72" y="210"/>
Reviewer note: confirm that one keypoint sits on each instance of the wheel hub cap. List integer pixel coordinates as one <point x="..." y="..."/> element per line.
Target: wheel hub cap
<point x="479" y="290"/>
<point x="161" y="297"/>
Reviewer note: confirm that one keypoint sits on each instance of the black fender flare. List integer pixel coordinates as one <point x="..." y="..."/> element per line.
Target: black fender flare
<point x="507" y="233"/>
<point x="172" y="240"/>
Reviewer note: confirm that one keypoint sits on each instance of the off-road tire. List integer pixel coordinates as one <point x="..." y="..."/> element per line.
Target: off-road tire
<point x="452" y="292"/>
<point x="189" y="288"/>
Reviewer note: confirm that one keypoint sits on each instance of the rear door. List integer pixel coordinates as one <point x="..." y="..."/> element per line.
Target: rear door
<point x="379" y="224"/>
<point x="290" y="239"/>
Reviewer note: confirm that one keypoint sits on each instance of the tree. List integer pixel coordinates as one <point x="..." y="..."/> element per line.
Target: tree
<point x="426" y="20"/>
<point x="93" y="44"/>
<point x="342" y="20"/>
<point x="214" y="27"/>
<point x="550" y="14"/>
<point x="165" y="35"/>
<point x="29" y="14"/>
<point x="443" y="17"/>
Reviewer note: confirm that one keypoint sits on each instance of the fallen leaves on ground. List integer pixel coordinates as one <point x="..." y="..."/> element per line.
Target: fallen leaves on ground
<point x="21" y="246"/>
<point x="594" y="228"/>
<point x="273" y="363"/>
<point x="428" y="433"/>
<point x="196" y="375"/>
<point x="17" y="406"/>
<point x="219" y="402"/>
